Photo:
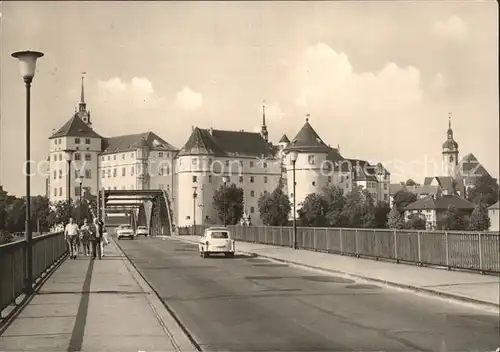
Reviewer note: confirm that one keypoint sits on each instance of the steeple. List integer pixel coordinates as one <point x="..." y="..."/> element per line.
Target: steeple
<point x="82" y="112"/>
<point x="82" y="105"/>
<point x="263" y="129"/>
<point x="450" y="151"/>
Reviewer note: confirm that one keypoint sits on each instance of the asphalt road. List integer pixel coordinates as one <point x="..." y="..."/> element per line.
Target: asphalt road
<point x="252" y="304"/>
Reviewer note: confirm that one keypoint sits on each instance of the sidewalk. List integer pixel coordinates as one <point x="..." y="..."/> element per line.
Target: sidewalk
<point x="101" y="305"/>
<point x="483" y="290"/>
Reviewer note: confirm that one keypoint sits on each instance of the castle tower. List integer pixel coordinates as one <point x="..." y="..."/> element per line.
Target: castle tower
<point x="263" y="130"/>
<point x="82" y="111"/>
<point x="450" y="152"/>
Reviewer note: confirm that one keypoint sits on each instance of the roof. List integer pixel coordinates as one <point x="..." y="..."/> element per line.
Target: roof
<point x="307" y="140"/>
<point x="382" y="170"/>
<point x="75" y="127"/>
<point x="339" y="163"/>
<point x="284" y="139"/>
<point x="363" y="171"/>
<point x="226" y="143"/>
<point x="395" y="187"/>
<point x="495" y="206"/>
<point x="133" y="141"/>
<point x="441" y="203"/>
<point x="470" y="167"/>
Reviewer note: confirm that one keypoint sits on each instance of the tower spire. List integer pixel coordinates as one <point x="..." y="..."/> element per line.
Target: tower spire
<point x="263" y="130"/>
<point x="449" y="120"/>
<point x="82" y="105"/>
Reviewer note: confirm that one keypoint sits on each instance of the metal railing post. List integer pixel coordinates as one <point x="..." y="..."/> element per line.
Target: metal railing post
<point x="356" y="243"/>
<point x="480" y="253"/>
<point x="314" y="239"/>
<point x="341" y="242"/>
<point x="419" y="249"/>
<point x="447" y="250"/>
<point x="395" y="246"/>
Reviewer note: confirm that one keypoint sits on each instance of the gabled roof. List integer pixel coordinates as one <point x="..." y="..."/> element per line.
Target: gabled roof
<point x="284" y="139"/>
<point x="382" y="170"/>
<point x="129" y="142"/>
<point x="495" y="206"/>
<point x="339" y="163"/>
<point x="441" y="203"/>
<point x="226" y="143"/>
<point x="363" y="171"/>
<point x="470" y="167"/>
<point x="75" y="127"/>
<point x="395" y="187"/>
<point x="307" y="140"/>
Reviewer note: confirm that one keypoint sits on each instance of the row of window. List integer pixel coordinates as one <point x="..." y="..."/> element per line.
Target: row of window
<point x="195" y="161"/>
<point x="87" y="174"/>
<point x="76" y="156"/>
<point x="58" y="191"/>
<point x="77" y="141"/>
<point x="252" y="179"/>
<point x="162" y="171"/>
<point x="132" y="156"/>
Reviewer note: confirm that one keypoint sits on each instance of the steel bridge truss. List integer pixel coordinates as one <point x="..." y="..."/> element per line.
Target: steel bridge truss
<point x="150" y="208"/>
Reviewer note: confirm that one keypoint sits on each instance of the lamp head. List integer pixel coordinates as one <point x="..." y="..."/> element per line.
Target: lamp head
<point x="79" y="180"/>
<point x="68" y="154"/>
<point x="27" y="63"/>
<point x="225" y="179"/>
<point x="293" y="156"/>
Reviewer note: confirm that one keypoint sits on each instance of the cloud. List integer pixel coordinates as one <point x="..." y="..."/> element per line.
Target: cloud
<point x="438" y="83"/>
<point x="188" y="99"/>
<point x="327" y="80"/>
<point x="135" y="95"/>
<point x="452" y="28"/>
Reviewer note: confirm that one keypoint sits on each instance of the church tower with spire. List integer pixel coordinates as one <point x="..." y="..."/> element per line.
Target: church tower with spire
<point x="263" y="129"/>
<point x="82" y="111"/>
<point x="450" y="152"/>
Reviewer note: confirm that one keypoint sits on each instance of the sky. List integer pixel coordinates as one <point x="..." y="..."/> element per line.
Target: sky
<point x="377" y="78"/>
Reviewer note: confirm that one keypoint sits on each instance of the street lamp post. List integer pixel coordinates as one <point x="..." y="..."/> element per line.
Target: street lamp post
<point x="79" y="181"/>
<point x="225" y="179"/>
<point x="293" y="158"/>
<point x="194" y="209"/>
<point x="27" y="65"/>
<point x="69" y="156"/>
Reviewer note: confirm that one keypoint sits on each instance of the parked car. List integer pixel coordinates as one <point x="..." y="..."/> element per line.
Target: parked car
<point x="217" y="240"/>
<point x="125" y="230"/>
<point x="142" y="231"/>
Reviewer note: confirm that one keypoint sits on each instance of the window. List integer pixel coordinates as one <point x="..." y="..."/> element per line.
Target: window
<point x="291" y="195"/>
<point x="123" y="156"/>
<point x="55" y="192"/>
<point x="210" y="162"/>
<point x="60" y="191"/>
<point x="264" y="165"/>
<point x="311" y="159"/>
<point x="114" y="157"/>
<point x="109" y="158"/>
<point x="241" y="179"/>
<point x="77" y="191"/>
<point x="252" y="193"/>
<point x="251" y="179"/>
<point x="168" y="155"/>
<point x="209" y="178"/>
<point x="168" y="188"/>
<point x="60" y="157"/>
<point x="55" y="174"/>
<point x="314" y="183"/>
<point x="132" y="171"/>
<point x="132" y="155"/>
<point x="385" y="197"/>
<point x="87" y="140"/>
<point x="329" y="178"/>
<point x="77" y="174"/>
<point x="77" y="140"/>
<point x="60" y="173"/>
<point x="251" y="163"/>
<point x="124" y="171"/>
<point x="160" y="154"/>
<point x="59" y="141"/>
<point x="103" y="173"/>
<point x="88" y="173"/>
<point x="341" y="179"/>
<point x="385" y="185"/>
<point x="265" y="179"/>
<point x="88" y="157"/>
<point x="77" y="156"/>
<point x="195" y="179"/>
<point x="114" y="172"/>
<point x="252" y="210"/>
<point x="227" y="162"/>
<point x="55" y="157"/>
<point x="241" y="162"/>
<point x="194" y="161"/>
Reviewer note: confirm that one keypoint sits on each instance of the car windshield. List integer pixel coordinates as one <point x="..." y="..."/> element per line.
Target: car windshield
<point x="141" y="228"/>
<point x="220" y="234"/>
<point x="125" y="227"/>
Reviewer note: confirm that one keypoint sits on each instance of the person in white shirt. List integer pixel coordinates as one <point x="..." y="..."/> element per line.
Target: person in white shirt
<point x="71" y="233"/>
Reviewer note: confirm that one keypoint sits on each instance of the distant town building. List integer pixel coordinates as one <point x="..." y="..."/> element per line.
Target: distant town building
<point x="433" y="209"/>
<point x="494" y="214"/>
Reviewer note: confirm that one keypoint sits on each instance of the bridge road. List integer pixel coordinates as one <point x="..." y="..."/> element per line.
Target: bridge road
<point x="252" y="304"/>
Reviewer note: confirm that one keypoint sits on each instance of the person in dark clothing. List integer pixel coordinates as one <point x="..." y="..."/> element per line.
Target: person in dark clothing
<point x="96" y="238"/>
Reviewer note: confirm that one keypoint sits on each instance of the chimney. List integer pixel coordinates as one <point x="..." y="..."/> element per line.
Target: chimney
<point x="211" y="130"/>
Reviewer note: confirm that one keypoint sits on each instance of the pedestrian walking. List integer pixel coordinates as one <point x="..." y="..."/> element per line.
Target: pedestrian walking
<point x="104" y="236"/>
<point x="85" y="234"/>
<point x="71" y="232"/>
<point x="95" y="239"/>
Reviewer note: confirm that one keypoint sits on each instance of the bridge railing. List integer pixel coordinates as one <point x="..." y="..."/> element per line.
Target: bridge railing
<point x="47" y="249"/>
<point x="478" y="251"/>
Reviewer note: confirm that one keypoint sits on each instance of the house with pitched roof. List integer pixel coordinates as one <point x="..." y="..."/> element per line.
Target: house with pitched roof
<point x="246" y="159"/>
<point x="138" y="161"/>
<point x="494" y="215"/>
<point x="433" y="209"/>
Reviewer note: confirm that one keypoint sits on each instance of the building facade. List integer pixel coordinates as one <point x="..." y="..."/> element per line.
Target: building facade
<point x="494" y="215"/>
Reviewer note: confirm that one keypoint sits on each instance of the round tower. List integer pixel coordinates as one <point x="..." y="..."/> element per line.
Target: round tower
<point x="450" y="152"/>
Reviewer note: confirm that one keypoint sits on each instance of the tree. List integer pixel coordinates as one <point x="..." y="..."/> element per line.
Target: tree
<point x="359" y="210"/>
<point x="274" y="207"/>
<point x="335" y="200"/>
<point x="410" y="183"/>
<point x="453" y="220"/>
<point x="313" y="210"/>
<point x="479" y="220"/>
<point x="40" y="210"/>
<point x="382" y="210"/>
<point x="59" y="213"/>
<point x="228" y="202"/>
<point x="485" y="190"/>
<point x="86" y="208"/>
<point x="16" y="215"/>
<point x="394" y="219"/>
<point x="402" y="199"/>
<point x="5" y="237"/>
<point x="416" y="222"/>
